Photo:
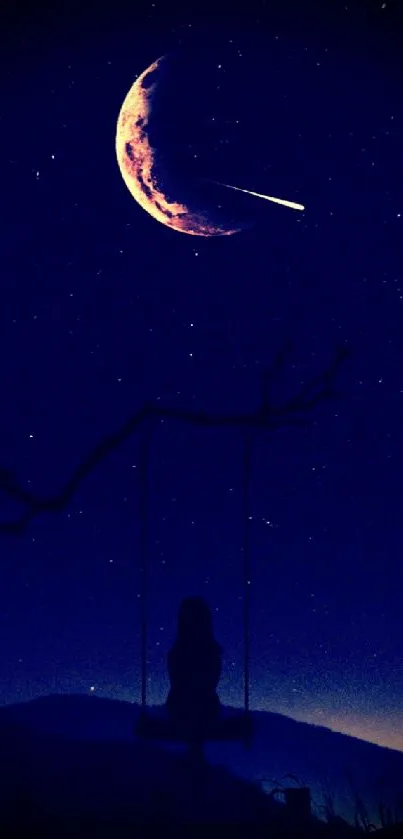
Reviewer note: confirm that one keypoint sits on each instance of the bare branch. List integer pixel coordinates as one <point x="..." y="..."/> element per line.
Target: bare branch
<point x="266" y="418"/>
<point x="270" y="373"/>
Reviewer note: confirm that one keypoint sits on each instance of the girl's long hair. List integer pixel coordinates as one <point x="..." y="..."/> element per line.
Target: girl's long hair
<point x="195" y="621"/>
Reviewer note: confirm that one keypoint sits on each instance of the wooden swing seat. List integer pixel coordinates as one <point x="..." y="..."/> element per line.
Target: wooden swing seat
<point x="165" y="729"/>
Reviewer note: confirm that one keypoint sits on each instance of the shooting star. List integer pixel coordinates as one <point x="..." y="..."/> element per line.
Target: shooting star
<point x="282" y="201"/>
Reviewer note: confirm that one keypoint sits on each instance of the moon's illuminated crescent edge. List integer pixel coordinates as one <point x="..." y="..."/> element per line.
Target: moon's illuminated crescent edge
<point x="136" y="160"/>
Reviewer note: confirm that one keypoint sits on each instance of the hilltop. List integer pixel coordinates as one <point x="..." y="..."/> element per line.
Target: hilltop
<point x="78" y="754"/>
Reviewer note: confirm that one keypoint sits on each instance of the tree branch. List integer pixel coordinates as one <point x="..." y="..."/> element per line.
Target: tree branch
<point x="267" y="418"/>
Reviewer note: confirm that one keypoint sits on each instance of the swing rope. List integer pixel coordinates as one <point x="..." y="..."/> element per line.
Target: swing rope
<point x="246" y="566"/>
<point x="144" y="492"/>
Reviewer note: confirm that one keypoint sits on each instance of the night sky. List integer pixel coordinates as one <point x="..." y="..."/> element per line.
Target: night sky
<point x="104" y="309"/>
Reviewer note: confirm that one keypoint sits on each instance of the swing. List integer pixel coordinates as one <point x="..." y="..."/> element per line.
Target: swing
<point x="159" y="726"/>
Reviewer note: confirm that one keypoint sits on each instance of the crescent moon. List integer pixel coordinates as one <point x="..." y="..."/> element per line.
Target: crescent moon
<point x="137" y="163"/>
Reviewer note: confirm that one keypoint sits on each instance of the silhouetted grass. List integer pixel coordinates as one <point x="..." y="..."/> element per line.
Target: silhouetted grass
<point x="389" y="815"/>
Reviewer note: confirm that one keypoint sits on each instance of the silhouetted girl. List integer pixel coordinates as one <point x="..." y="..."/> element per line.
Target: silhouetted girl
<point x="194" y="665"/>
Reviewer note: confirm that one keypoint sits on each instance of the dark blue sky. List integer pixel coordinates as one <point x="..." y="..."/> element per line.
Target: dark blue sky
<point x="103" y="309"/>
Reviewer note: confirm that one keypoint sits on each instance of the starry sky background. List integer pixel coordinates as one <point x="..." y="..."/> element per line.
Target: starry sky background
<point x="103" y="309"/>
